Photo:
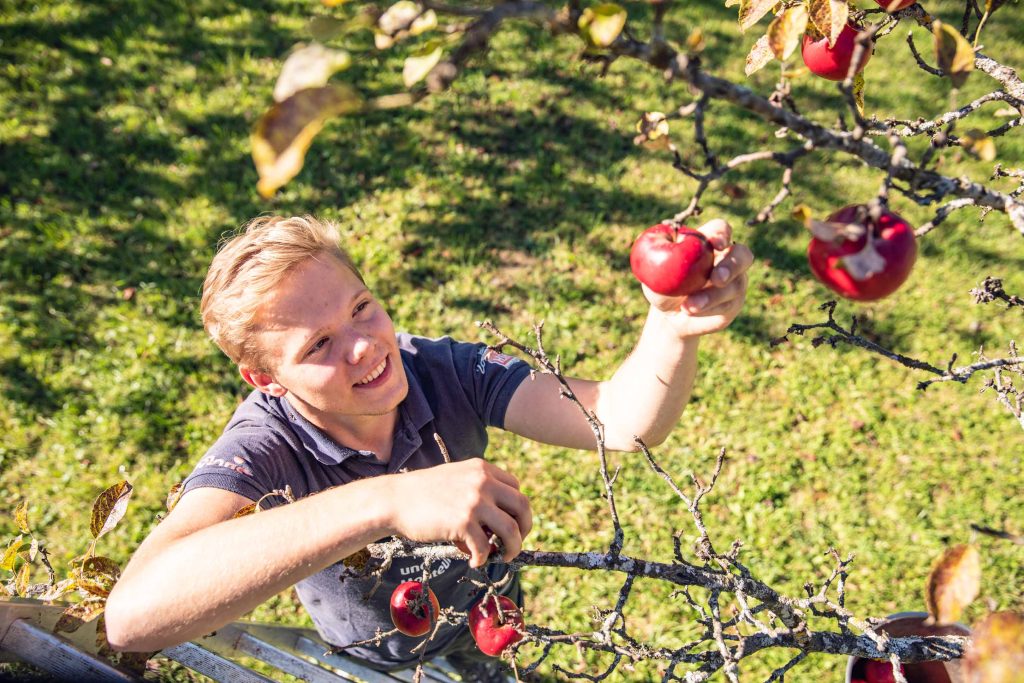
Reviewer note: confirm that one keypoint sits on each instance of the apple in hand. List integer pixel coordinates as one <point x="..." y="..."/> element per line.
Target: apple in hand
<point x="879" y="672"/>
<point x="411" y="612"/>
<point x="859" y="258"/>
<point x="672" y="261"/>
<point x="492" y="632"/>
<point x="895" y="5"/>
<point x="833" y="62"/>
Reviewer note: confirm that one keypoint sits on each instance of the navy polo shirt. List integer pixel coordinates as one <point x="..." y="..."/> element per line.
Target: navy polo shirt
<point x="457" y="390"/>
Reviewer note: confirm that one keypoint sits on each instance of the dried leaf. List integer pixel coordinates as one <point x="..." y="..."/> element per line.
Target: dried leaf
<point x="103" y="648"/>
<point x="59" y="590"/>
<point x="419" y="64"/>
<point x="858" y="92"/>
<point x="21" y="516"/>
<point x="759" y="55"/>
<point x="751" y="11"/>
<point x="695" y="43"/>
<point x="249" y="509"/>
<point x="602" y="24"/>
<point x="33" y="550"/>
<point x="652" y="125"/>
<point x="786" y="31"/>
<point x="75" y="616"/>
<point x="829" y="17"/>
<point x="98" y="564"/>
<point x="829" y="231"/>
<point x="310" y="66"/>
<point x="953" y="583"/>
<point x="953" y="53"/>
<point x="285" y="132"/>
<point x="802" y="213"/>
<point x="109" y="508"/>
<point x="21" y="582"/>
<point x="357" y="560"/>
<point x="996" y="652"/>
<point x="404" y="19"/>
<point x="979" y="145"/>
<point x="11" y="554"/>
<point x="863" y="264"/>
<point x="174" y="495"/>
<point x="992" y="5"/>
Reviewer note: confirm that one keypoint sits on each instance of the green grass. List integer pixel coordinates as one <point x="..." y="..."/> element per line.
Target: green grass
<point x="515" y="196"/>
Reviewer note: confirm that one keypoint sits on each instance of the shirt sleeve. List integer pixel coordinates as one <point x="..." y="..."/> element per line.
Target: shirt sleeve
<point x="239" y="462"/>
<point x="489" y="379"/>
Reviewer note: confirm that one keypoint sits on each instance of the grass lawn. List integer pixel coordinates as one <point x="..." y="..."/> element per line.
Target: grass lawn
<point x="124" y="157"/>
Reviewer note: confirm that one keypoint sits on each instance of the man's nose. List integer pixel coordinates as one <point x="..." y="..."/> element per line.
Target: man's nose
<point x="361" y="346"/>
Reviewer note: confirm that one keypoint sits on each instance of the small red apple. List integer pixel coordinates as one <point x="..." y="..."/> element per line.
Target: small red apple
<point x="493" y="633"/>
<point x="672" y="261"/>
<point x="895" y="5"/>
<point x="411" y="613"/>
<point x="862" y="262"/>
<point x="833" y="62"/>
<point x="879" y="672"/>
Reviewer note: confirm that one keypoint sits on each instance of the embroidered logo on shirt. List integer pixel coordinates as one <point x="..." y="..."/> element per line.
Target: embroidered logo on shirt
<point x="489" y="355"/>
<point x="236" y="463"/>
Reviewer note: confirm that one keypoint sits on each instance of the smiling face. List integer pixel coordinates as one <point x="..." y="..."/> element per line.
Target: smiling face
<point x="329" y="346"/>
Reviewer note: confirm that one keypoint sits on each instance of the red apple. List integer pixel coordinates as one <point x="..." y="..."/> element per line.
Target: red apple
<point x="895" y="5"/>
<point x="849" y="263"/>
<point x="879" y="672"/>
<point x="493" y="633"/>
<point x="672" y="261"/>
<point x="833" y="62"/>
<point x="411" y="613"/>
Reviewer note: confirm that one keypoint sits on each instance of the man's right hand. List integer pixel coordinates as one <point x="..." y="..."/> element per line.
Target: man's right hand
<point x="456" y="502"/>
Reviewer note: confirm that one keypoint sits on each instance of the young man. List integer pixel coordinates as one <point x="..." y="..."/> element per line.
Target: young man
<point x="345" y="408"/>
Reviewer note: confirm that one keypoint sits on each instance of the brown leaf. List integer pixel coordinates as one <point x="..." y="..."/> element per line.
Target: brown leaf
<point x="174" y="495"/>
<point x="109" y="508"/>
<point x="286" y="130"/>
<point x="21" y="582"/>
<point x="953" y="53"/>
<point x="357" y="560"/>
<point x="59" y="590"/>
<point x="249" y="509"/>
<point x="786" y="31"/>
<point x="21" y="516"/>
<point x="829" y="17"/>
<point x="751" y="11"/>
<point x="759" y="55"/>
<point x="953" y="583"/>
<point x="996" y="652"/>
<point x="863" y="264"/>
<point x="75" y="616"/>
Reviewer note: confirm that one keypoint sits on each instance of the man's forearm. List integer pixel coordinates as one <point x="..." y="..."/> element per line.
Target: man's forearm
<point x="189" y="586"/>
<point x="649" y="391"/>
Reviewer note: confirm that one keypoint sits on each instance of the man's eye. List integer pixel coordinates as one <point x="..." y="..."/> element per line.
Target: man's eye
<point x="362" y="305"/>
<point x="316" y="347"/>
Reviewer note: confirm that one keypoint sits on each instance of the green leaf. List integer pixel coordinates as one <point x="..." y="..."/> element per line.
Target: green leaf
<point x="284" y="133"/>
<point x="953" y="53"/>
<point x="21" y="516"/>
<point x="310" y="66"/>
<point x="109" y="508"/>
<point x="759" y="55"/>
<point x="603" y="23"/>
<point x="419" y="64"/>
<point x="858" y="92"/>
<point x="786" y="31"/>
<point x="11" y="554"/>
<point x="751" y="11"/>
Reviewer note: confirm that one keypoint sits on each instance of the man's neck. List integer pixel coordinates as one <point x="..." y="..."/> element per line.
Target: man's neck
<point x="373" y="433"/>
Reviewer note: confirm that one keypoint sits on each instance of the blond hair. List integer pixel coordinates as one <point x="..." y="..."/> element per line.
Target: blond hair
<point x="248" y="266"/>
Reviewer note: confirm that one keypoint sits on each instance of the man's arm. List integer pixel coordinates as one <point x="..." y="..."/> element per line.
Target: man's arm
<point x="649" y="391"/>
<point x="201" y="569"/>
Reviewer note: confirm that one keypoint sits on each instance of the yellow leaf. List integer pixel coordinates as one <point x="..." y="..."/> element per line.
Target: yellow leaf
<point x="21" y="516"/>
<point x="802" y="213"/>
<point x="786" y="31"/>
<point x="603" y="23"/>
<point x="996" y="652"/>
<point x="858" y="92"/>
<point x="419" y="64"/>
<point x="953" y="53"/>
<point x="333" y="3"/>
<point x="751" y="11"/>
<point x="173" y="496"/>
<point x="759" y="55"/>
<point x="11" y="554"/>
<point x="829" y="17"/>
<point x="653" y="125"/>
<point x="310" y="66"/>
<point x="109" y="508"/>
<point x="978" y="144"/>
<point x="284" y="133"/>
<point x="245" y="511"/>
<point x="695" y="41"/>
<point x="21" y="583"/>
<point x="953" y="583"/>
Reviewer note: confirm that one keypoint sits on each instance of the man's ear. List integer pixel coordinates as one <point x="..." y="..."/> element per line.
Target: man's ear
<point x="262" y="381"/>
